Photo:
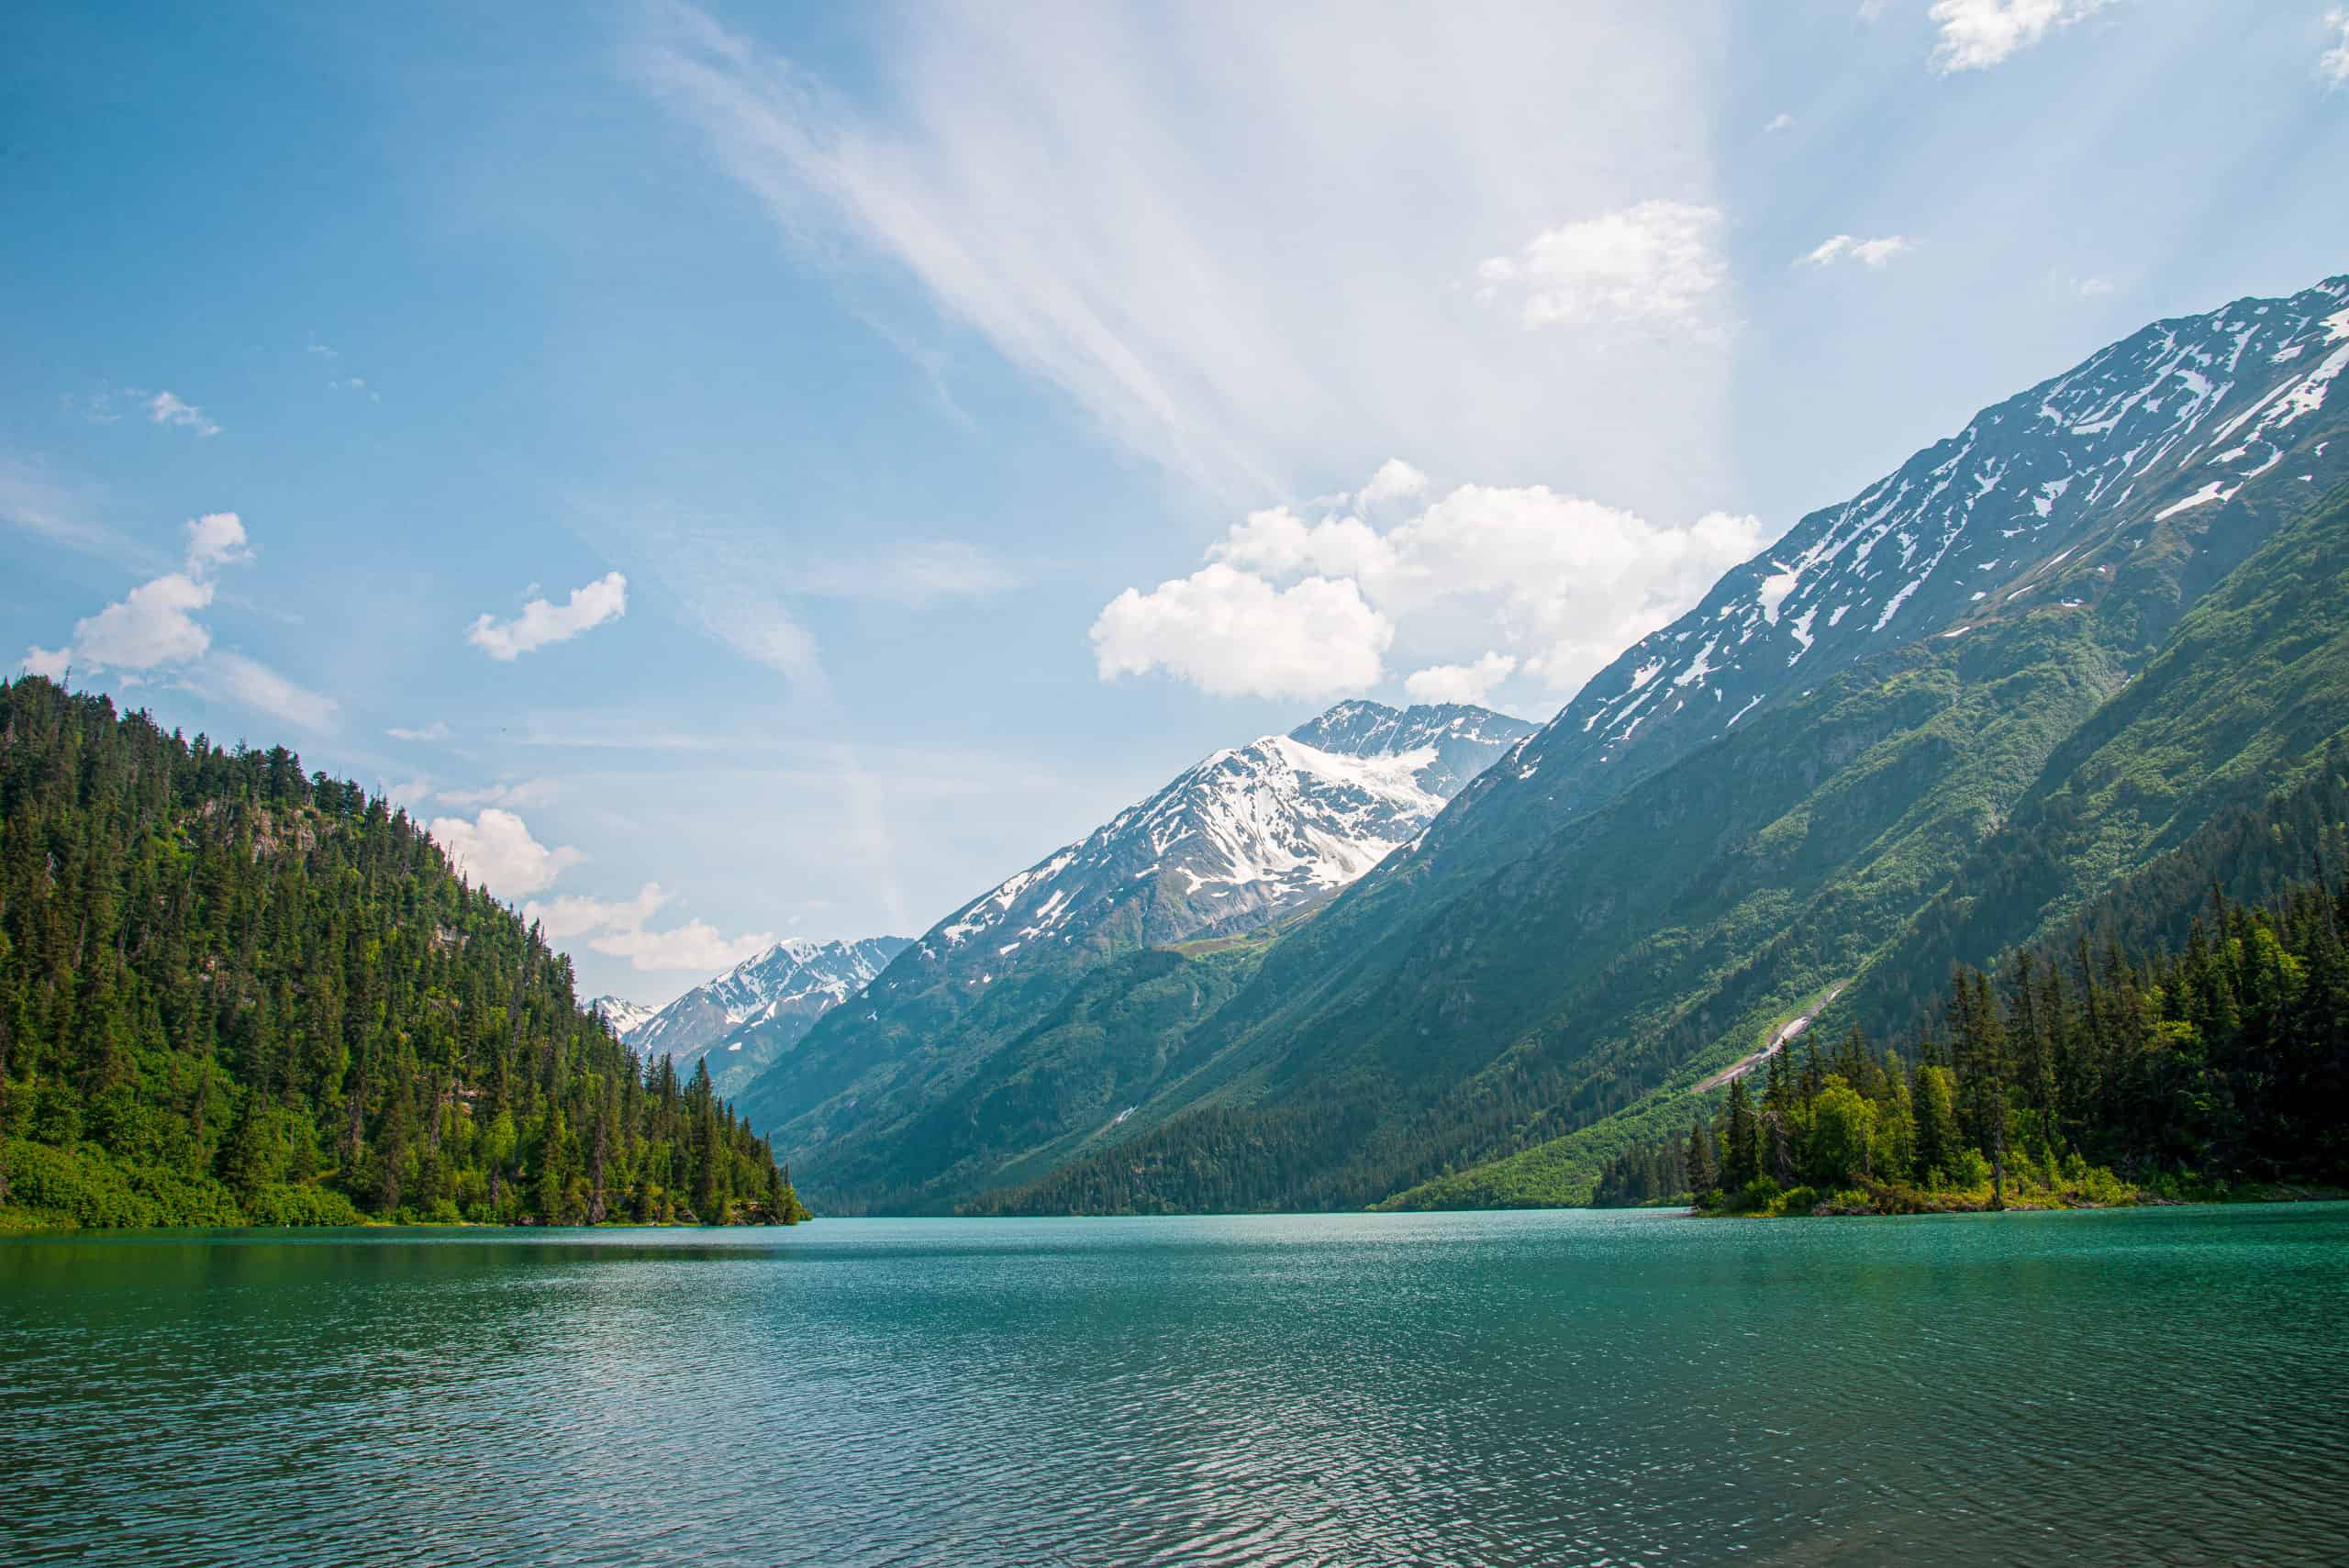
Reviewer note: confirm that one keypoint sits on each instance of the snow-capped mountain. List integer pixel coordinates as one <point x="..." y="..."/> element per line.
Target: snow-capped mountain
<point x="2035" y="505"/>
<point x="779" y="996"/>
<point x="623" y="1014"/>
<point x="1246" y="835"/>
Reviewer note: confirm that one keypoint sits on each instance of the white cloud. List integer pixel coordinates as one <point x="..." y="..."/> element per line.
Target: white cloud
<point x="577" y="915"/>
<point x="2333" y="64"/>
<point x="152" y="625"/>
<point x="2092" y="288"/>
<point x="915" y="576"/>
<point x="435" y="730"/>
<point x="1564" y="583"/>
<point x="216" y="539"/>
<point x="1139" y="206"/>
<point x="51" y="661"/>
<point x="1470" y="683"/>
<point x="496" y="851"/>
<point x="155" y="623"/>
<point x="1658" y="262"/>
<point x="616" y="928"/>
<point x="1867" y="252"/>
<point x="1232" y="633"/>
<point x="1395" y="481"/>
<point x="541" y="623"/>
<point x="409" y="792"/>
<point x="1780" y="122"/>
<point x="256" y="686"/>
<point x="1978" y="34"/>
<point x="166" y="408"/>
<point x="522" y="793"/>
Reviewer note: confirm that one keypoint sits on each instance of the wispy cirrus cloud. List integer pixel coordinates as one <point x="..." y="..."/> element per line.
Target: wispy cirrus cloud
<point x="1870" y="253"/>
<point x="167" y="408"/>
<point x="1146" y="208"/>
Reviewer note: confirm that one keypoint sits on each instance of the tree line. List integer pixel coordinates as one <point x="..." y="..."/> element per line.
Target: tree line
<point x="232" y="993"/>
<point x="2073" y="1076"/>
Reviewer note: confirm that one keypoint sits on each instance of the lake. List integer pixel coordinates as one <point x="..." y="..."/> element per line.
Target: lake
<point x="2164" y="1385"/>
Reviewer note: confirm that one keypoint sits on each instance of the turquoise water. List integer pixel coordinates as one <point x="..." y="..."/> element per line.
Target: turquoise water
<point x="2161" y="1386"/>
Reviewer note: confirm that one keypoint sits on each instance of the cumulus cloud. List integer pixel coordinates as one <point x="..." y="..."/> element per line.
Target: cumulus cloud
<point x="216" y="539"/>
<point x="1867" y="252"/>
<point x="1470" y="683"/>
<point x="1564" y="583"/>
<point x="541" y="623"/>
<point x="1978" y="34"/>
<point x="496" y="851"/>
<point x="1780" y="122"/>
<point x="154" y="624"/>
<point x="1231" y="633"/>
<point x="165" y="409"/>
<point x="1395" y="480"/>
<point x="617" y="928"/>
<point x="51" y="661"/>
<point x="435" y="730"/>
<point x="2333" y="64"/>
<point x="1659" y="261"/>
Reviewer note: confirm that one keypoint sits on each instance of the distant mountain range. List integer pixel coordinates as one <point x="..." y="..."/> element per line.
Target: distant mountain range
<point x="1246" y="839"/>
<point x="1926" y="725"/>
<point x="747" y="1017"/>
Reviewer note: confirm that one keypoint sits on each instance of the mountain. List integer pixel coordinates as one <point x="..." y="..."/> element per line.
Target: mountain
<point x="1247" y="839"/>
<point x="762" y="1007"/>
<point x="234" y="993"/>
<point x="1927" y="723"/>
<point x="2167" y="426"/>
<point x="623" y="1014"/>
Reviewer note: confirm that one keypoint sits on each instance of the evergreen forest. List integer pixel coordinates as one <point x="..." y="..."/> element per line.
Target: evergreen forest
<point x="233" y="994"/>
<point x="2078" y="1077"/>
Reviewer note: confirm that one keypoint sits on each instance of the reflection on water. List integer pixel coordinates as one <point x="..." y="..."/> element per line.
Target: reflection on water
<point x="2161" y="1386"/>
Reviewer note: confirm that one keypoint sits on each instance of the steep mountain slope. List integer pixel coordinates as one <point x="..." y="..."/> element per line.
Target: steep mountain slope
<point x="2171" y="422"/>
<point x="762" y="1007"/>
<point x="1246" y="839"/>
<point x="2251" y="853"/>
<point x="623" y="1014"/>
<point x="1662" y="872"/>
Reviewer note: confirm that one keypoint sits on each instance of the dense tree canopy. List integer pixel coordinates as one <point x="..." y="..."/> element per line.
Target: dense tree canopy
<point x="2221" y="1060"/>
<point x="232" y="993"/>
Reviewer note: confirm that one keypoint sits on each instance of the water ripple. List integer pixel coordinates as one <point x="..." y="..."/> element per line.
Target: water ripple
<point x="2161" y="1386"/>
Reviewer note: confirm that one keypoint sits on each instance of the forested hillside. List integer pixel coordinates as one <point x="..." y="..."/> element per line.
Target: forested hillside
<point x="233" y="994"/>
<point x="2252" y="854"/>
<point x="2222" y="1061"/>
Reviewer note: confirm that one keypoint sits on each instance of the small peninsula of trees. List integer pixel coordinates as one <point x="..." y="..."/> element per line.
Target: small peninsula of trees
<point x="2085" y="1078"/>
<point x="232" y="994"/>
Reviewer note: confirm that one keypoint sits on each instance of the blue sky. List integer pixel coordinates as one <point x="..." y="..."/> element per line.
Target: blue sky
<point x="922" y="432"/>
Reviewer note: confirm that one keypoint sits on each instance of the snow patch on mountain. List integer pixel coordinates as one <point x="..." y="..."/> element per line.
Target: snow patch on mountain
<point x="623" y="1014"/>
<point x="782" y="992"/>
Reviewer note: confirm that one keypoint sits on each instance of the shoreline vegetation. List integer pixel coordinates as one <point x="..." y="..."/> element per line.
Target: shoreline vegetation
<point x="234" y="993"/>
<point x="2214" y="1072"/>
